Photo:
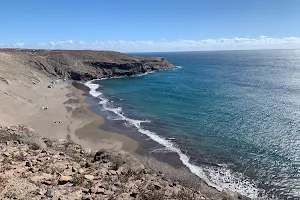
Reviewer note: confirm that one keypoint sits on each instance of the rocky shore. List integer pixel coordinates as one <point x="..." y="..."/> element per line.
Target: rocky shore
<point x="32" y="167"/>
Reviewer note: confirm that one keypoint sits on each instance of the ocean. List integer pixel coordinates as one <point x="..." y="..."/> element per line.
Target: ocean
<point x="232" y="117"/>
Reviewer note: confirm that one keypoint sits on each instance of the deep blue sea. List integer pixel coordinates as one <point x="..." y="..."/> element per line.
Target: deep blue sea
<point x="233" y="117"/>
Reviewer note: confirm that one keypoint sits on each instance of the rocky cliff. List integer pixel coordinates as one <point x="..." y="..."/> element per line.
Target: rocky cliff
<point x="87" y="64"/>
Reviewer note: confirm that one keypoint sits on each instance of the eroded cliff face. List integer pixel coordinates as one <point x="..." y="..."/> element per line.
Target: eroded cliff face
<point x="86" y="64"/>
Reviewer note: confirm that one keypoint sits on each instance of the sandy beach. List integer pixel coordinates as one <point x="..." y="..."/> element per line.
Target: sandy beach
<point x="57" y="113"/>
<point x="56" y="108"/>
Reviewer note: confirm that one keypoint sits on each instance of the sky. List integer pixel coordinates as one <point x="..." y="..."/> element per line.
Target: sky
<point x="150" y="25"/>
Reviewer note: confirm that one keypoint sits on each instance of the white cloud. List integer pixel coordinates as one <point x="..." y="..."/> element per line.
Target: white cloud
<point x="16" y="45"/>
<point x="262" y="42"/>
<point x="19" y="44"/>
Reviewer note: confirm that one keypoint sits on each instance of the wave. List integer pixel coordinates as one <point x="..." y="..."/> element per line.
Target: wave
<point x="220" y="177"/>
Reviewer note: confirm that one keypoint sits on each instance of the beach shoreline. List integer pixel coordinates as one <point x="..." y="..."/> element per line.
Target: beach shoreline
<point x="167" y="163"/>
<point x="90" y="135"/>
<point x="58" y="109"/>
<point x="56" y="112"/>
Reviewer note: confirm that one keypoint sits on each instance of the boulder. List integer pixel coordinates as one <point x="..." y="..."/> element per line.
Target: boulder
<point x="89" y="177"/>
<point x="64" y="179"/>
<point x="50" y="192"/>
<point x="101" y="156"/>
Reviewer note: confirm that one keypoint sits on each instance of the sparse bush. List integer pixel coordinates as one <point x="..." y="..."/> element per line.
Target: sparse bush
<point x="152" y="195"/>
<point x="117" y="162"/>
<point x="3" y="182"/>
<point x="183" y="195"/>
<point x="67" y="144"/>
<point x="6" y="136"/>
<point x="78" y="180"/>
<point x="77" y="159"/>
<point x="19" y="156"/>
<point x="34" y="146"/>
<point x="48" y="142"/>
<point x="125" y="176"/>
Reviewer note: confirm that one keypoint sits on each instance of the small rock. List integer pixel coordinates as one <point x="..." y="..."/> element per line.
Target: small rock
<point x="80" y="171"/>
<point x="87" y="165"/>
<point x="64" y="179"/>
<point x="113" y="188"/>
<point x="157" y="186"/>
<point x="85" y="190"/>
<point x="24" y="154"/>
<point x="172" y="184"/>
<point x="39" y="191"/>
<point x="55" y="156"/>
<point x="89" y="177"/>
<point x="6" y="154"/>
<point x="103" y="171"/>
<point x="101" y="156"/>
<point x="119" y="171"/>
<point x="112" y="172"/>
<point x="133" y="195"/>
<point x="87" y="151"/>
<point x="28" y="164"/>
<point x="47" y="182"/>
<point x="100" y="191"/>
<point x="44" y="151"/>
<point x="41" y="177"/>
<point x="19" y="171"/>
<point x="16" y="154"/>
<point x="50" y="192"/>
<point x="33" y="170"/>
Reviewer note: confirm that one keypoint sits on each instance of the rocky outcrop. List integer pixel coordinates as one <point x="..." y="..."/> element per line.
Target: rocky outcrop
<point x="63" y="170"/>
<point x="87" y="64"/>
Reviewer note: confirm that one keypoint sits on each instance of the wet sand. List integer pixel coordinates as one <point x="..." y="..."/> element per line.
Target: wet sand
<point x="85" y="125"/>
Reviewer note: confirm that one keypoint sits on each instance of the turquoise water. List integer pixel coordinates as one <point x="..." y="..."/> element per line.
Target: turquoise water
<point x="235" y="114"/>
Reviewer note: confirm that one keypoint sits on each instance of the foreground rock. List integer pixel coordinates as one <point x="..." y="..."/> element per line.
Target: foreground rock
<point x="32" y="167"/>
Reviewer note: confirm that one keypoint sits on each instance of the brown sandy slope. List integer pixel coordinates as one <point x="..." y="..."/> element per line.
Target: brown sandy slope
<point x="24" y="92"/>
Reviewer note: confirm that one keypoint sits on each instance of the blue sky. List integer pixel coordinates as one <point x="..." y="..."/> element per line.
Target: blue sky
<point x="150" y="25"/>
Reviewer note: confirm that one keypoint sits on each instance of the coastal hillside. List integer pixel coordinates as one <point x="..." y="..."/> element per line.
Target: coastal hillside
<point x="32" y="167"/>
<point x="86" y="64"/>
<point x="65" y="155"/>
<point x="27" y="77"/>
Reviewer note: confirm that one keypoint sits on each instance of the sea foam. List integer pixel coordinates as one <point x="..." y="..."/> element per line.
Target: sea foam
<point x="220" y="177"/>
